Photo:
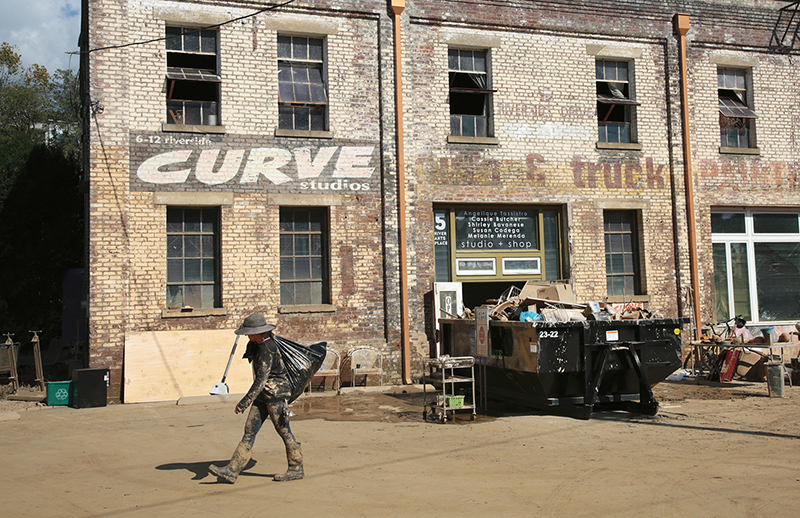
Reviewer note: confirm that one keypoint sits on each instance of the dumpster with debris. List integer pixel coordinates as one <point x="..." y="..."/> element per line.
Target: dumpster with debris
<point x="571" y="364"/>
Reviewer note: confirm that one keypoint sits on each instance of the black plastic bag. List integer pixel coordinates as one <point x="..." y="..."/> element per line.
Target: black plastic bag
<point x="301" y="362"/>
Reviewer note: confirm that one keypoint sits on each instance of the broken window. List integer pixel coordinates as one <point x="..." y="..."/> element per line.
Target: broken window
<point x="192" y="258"/>
<point x="304" y="256"/>
<point x="622" y="253"/>
<point x="303" y="99"/>
<point x="615" y="104"/>
<point x="736" y="119"/>
<point x="192" y="76"/>
<point x="470" y="93"/>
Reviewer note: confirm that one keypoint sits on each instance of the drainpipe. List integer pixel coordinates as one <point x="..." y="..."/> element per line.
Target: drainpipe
<point x="682" y="27"/>
<point x="405" y="343"/>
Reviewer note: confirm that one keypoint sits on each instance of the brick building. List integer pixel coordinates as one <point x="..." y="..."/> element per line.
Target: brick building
<point x="244" y="156"/>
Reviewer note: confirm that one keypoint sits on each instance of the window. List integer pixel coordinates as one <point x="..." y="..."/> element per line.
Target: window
<point x="736" y="119"/>
<point x="756" y="257"/>
<point x="302" y="100"/>
<point x="616" y="108"/>
<point x="192" y="258"/>
<point x="470" y="94"/>
<point x="192" y="76"/>
<point x="304" y="256"/>
<point x="621" y="235"/>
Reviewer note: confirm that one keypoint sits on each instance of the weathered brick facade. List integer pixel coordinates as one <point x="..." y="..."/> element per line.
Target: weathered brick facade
<point x="543" y="152"/>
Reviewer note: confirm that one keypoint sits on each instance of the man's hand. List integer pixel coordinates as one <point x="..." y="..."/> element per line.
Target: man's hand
<point x="238" y="410"/>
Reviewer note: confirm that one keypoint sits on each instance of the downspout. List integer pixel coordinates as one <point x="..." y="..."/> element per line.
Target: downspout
<point x="682" y="27"/>
<point x="405" y="343"/>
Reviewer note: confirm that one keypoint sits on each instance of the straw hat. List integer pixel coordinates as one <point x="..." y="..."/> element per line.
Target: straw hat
<point x="255" y="324"/>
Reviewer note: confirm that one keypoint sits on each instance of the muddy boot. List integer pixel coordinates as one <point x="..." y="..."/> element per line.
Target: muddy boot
<point x="295" y="458"/>
<point x="231" y="472"/>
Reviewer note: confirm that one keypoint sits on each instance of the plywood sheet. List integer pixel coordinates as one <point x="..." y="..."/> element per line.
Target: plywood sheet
<point x="169" y="365"/>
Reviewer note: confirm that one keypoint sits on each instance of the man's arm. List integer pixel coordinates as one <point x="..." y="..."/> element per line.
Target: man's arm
<point x="262" y="365"/>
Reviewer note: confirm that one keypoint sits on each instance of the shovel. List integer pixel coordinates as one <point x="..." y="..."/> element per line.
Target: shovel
<point x="221" y="388"/>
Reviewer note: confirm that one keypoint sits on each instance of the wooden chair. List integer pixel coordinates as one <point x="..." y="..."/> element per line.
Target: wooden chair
<point x="331" y="366"/>
<point x="363" y="362"/>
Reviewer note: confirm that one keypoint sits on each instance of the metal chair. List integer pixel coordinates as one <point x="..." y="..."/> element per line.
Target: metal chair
<point x="331" y="366"/>
<point x="363" y="362"/>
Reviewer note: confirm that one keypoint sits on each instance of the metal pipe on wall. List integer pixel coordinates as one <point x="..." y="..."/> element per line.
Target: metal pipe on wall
<point x="681" y="22"/>
<point x="405" y="343"/>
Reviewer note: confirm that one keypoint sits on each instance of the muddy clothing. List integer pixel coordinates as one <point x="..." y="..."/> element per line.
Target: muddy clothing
<point x="271" y="382"/>
<point x="267" y="397"/>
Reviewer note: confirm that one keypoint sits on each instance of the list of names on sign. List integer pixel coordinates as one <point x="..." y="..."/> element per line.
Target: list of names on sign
<point x="496" y="230"/>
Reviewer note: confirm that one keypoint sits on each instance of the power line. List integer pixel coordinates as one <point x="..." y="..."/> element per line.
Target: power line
<point x="198" y="30"/>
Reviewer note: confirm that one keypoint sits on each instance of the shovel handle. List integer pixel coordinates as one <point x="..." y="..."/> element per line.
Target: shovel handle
<point x="230" y="358"/>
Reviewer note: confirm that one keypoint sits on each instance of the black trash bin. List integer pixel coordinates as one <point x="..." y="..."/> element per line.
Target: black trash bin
<point x="90" y="387"/>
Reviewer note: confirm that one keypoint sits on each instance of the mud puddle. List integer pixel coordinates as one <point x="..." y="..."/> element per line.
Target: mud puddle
<point x="406" y="407"/>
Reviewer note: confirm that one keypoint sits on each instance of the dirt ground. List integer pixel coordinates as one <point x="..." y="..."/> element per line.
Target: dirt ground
<point x="713" y="450"/>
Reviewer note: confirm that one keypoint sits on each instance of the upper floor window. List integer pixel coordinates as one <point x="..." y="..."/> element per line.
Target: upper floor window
<point x="470" y="93"/>
<point x="736" y="119"/>
<point x="193" y="79"/>
<point x="616" y="107"/>
<point x="303" y="98"/>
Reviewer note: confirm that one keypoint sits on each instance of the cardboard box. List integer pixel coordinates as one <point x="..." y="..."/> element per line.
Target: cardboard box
<point x="559" y="292"/>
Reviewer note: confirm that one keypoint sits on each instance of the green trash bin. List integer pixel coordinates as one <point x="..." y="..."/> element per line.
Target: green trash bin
<point x="59" y="392"/>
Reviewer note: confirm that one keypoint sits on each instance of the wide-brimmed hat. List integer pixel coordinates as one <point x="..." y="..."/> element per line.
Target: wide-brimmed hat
<point x="255" y="324"/>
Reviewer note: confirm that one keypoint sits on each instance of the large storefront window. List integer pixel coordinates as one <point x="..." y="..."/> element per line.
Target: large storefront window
<point x="756" y="265"/>
<point x="488" y="244"/>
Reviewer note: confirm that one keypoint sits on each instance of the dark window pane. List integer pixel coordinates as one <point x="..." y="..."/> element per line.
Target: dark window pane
<point x="174" y="270"/>
<point x="316" y="292"/>
<point x="317" y="94"/>
<point x="302" y="268"/>
<point x="191" y="40"/>
<point x="286" y="244"/>
<point x="287" y="268"/>
<point x="727" y="223"/>
<point x="209" y="273"/>
<point x="315" y="75"/>
<point x="316" y="267"/>
<point x="284" y="47"/>
<point x="208" y="41"/>
<point x="315" y="49"/>
<point x="192" y="296"/>
<point x="208" y="246"/>
<point x="302" y="93"/>
<point x="174" y="246"/>
<point x="467" y="126"/>
<point x="455" y="125"/>
<point x="286" y="92"/>
<point x="173" y="41"/>
<point x="300" y="74"/>
<point x="285" y="117"/>
<point x="302" y="293"/>
<point x="315" y="244"/>
<point x="299" y="48"/>
<point x="174" y="297"/>
<point x="452" y="59"/>
<point x="775" y="223"/>
<point x="778" y="281"/>
<point x="191" y="246"/>
<point x="191" y="221"/>
<point x="287" y="293"/>
<point x="174" y="220"/>
<point x="480" y="62"/>
<point x="465" y="61"/>
<point x="317" y="119"/>
<point x="209" y="220"/>
<point x="191" y="269"/>
<point x="301" y="121"/>
<point x="301" y="221"/>
<point x="284" y="72"/>
<point x="301" y="245"/>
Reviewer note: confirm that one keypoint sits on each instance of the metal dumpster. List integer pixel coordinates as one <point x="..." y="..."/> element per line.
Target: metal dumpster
<point x="572" y="367"/>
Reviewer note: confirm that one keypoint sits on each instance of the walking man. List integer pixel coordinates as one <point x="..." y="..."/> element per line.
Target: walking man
<point x="268" y="396"/>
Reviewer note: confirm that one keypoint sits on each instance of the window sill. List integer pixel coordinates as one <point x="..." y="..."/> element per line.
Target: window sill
<point x="624" y="300"/>
<point x="194" y="312"/>
<point x="625" y="146"/>
<point x="303" y="134"/>
<point x="307" y="308"/>
<point x="473" y="140"/>
<point x="191" y="128"/>
<point x="740" y="150"/>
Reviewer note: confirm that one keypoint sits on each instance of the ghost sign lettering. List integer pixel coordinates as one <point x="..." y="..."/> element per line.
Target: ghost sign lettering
<point x="319" y="168"/>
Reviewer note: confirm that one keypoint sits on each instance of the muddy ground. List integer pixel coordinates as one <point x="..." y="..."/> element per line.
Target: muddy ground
<point x="713" y="450"/>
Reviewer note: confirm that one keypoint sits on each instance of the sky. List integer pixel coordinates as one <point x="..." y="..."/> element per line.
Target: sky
<point x="43" y="31"/>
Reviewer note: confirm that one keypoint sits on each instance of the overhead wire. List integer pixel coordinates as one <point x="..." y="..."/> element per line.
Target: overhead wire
<point x="132" y="44"/>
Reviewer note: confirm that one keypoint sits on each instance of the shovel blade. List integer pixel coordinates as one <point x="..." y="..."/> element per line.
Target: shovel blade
<point x="219" y="389"/>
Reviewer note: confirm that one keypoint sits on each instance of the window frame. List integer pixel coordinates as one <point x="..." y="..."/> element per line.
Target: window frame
<point x="215" y="255"/>
<point x="461" y="75"/>
<point x="190" y="71"/>
<point x="309" y="64"/>
<point x="637" y="270"/>
<point x="750" y="238"/>
<point x="325" y="296"/>
<point x="735" y="107"/>
<point x="611" y="99"/>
